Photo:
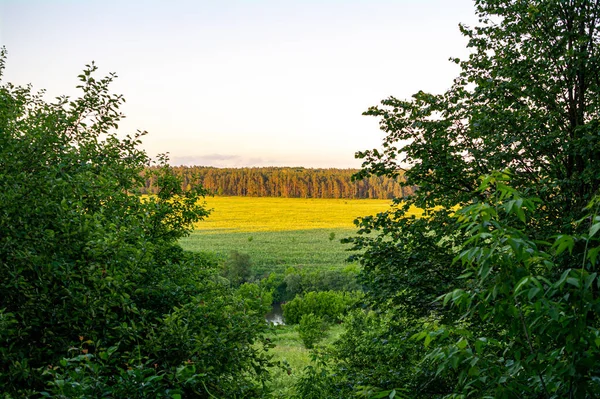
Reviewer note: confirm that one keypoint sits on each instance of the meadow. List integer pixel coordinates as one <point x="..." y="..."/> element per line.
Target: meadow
<point x="290" y="351"/>
<point x="279" y="233"/>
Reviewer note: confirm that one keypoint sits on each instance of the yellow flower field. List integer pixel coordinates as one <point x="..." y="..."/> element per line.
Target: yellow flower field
<point x="252" y="214"/>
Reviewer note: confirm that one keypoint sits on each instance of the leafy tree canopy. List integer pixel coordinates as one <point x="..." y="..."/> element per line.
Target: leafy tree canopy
<point x="524" y="112"/>
<point x="97" y="299"/>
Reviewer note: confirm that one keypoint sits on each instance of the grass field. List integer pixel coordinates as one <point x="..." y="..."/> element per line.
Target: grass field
<point x="289" y="349"/>
<point x="281" y="232"/>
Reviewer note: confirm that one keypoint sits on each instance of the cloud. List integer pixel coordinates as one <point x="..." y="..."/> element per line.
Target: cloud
<point x="220" y="161"/>
<point x="239" y="161"/>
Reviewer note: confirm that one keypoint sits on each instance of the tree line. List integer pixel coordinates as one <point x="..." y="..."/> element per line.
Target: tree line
<point x="284" y="182"/>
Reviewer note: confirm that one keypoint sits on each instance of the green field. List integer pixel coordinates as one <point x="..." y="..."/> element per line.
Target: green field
<point x="289" y="349"/>
<point x="281" y="232"/>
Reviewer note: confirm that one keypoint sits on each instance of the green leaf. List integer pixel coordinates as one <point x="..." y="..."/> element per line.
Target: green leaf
<point x="520" y="214"/>
<point x="563" y="242"/>
<point x="589" y="279"/>
<point x="533" y="292"/>
<point x="479" y="345"/>
<point x="592" y="255"/>
<point x="521" y="284"/>
<point x="573" y="281"/>
<point x="427" y="340"/>
<point x="594" y="229"/>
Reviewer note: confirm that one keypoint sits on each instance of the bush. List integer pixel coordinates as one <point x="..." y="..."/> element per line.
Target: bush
<point x="312" y="329"/>
<point x="92" y="273"/>
<point x="330" y="305"/>
<point x="237" y="268"/>
<point x="315" y="380"/>
<point x="300" y="281"/>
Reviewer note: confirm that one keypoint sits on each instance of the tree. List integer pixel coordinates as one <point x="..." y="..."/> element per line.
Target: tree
<point x="237" y="268"/>
<point x="97" y="297"/>
<point x="312" y="329"/>
<point x="527" y="99"/>
<point x="526" y="330"/>
<point x="526" y="102"/>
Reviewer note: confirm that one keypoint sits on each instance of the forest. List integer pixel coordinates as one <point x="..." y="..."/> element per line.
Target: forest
<point x="285" y="182"/>
<point x="492" y="292"/>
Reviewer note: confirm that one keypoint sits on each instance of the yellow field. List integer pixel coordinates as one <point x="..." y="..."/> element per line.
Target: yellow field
<point x="249" y="214"/>
<point x="279" y="233"/>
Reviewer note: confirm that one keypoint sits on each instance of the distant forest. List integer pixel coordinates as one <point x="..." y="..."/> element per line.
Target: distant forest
<point x="285" y="182"/>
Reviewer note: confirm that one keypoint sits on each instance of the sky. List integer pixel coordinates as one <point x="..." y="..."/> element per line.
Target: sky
<point x="231" y="83"/>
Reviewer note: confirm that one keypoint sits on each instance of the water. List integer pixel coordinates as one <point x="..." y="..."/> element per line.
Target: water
<point x="275" y="316"/>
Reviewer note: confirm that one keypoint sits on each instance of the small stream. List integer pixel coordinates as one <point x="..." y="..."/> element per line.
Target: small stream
<point x="275" y="316"/>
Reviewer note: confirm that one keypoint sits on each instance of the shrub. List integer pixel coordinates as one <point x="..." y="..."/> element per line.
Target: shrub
<point x="330" y="305"/>
<point x="92" y="273"/>
<point x="300" y="281"/>
<point x="237" y="268"/>
<point x="312" y="329"/>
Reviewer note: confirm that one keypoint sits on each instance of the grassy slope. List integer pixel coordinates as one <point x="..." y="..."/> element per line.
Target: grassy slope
<point x="276" y="251"/>
<point x="289" y="349"/>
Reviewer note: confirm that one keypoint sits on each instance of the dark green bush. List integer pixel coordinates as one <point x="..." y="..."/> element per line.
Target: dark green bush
<point x="315" y="382"/>
<point x="300" y="281"/>
<point x="97" y="299"/>
<point x="237" y="268"/>
<point x="312" y="329"/>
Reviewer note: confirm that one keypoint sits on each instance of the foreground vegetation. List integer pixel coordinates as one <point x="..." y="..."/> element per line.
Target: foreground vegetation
<point x="499" y="299"/>
<point x="98" y="299"/>
<point x="293" y="356"/>
<point x="495" y="292"/>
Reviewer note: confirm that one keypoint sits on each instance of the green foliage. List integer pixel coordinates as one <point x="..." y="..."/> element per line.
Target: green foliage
<point x="299" y="280"/>
<point x="537" y="329"/>
<point x="189" y="353"/>
<point x="526" y="98"/>
<point x="315" y="381"/>
<point x="375" y="354"/>
<point x="518" y="320"/>
<point x="330" y="305"/>
<point x="312" y="329"/>
<point x="97" y="297"/>
<point x="407" y="263"/>
<point x="375" y="350"/>
<point x="237" y="268"/>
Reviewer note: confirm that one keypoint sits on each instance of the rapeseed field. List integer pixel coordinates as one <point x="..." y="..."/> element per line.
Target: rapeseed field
<point x="279" y="233"/>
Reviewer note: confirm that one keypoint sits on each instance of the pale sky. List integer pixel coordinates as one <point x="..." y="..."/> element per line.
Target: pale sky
<point x="242" y="83"/>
